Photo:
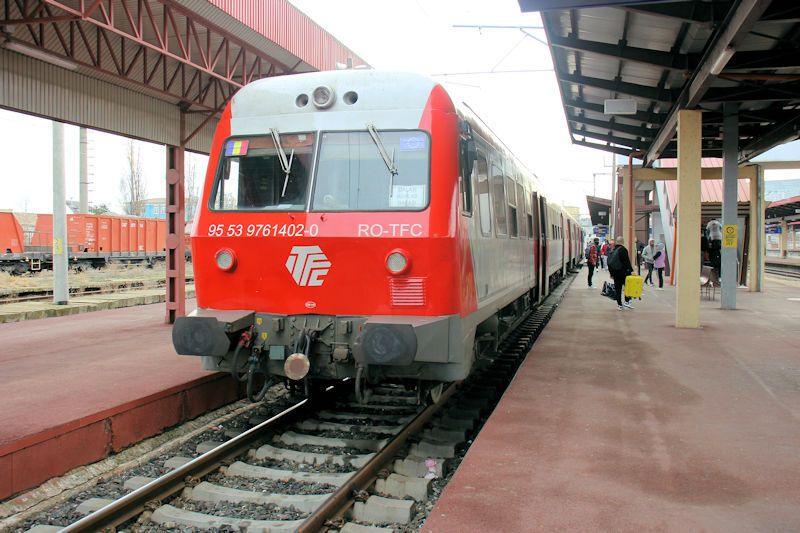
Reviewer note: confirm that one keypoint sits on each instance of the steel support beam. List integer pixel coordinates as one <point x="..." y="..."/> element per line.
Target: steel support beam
<point x="622" y="87"/>
<point x="649" y="117"/>
<point x="687" y="309"/>
<point x="740" y="19"/>
<point x="627" y="210"/>
<point x="730" y="205"/>
<point x="667" y="174"/>
<point x="60" y="244"/>
<point x="638" y="131"/>
<point x="613" y="149"/>
<point x="655" y="58"/>
<point x="176" y="227"/>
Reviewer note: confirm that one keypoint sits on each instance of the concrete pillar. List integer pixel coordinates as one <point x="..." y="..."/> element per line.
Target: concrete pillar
<point x="784" y="238"/>
<point x="730" y="177"/>
<point x="84" y="173"/>
<point x="176" y="224"/>
<point x="627" y="211"/>
<point x="687" y="312"/>
<point x="756" y="229"/>
<point x="60" y="246"/>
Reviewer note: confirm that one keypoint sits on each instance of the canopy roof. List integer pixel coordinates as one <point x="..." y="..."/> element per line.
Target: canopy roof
<point x="669" y="56"/>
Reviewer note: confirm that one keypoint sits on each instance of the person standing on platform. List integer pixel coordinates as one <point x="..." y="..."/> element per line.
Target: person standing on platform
<point x="647" y="256"/>
<point x="619" y="266"/>
<point x="639" y="248"/>
<point x="604" y="255"/>
<point x="659" y="262"/>
<point x="591" y="260"/>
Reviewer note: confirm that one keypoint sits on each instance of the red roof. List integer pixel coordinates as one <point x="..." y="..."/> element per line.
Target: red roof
<point x="706" y="162"/>
<point x="287" y="26"/>
<point x="778" y="203"/>
<point x="710" y="192"/>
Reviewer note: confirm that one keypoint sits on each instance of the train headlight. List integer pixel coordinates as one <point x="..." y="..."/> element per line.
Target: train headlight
<point x="397" y="262"/>
<point x="323" y="96"/>
<point x="226" y="259"/>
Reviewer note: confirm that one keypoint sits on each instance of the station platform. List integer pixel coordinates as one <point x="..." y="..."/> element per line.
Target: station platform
<point x="78" y="388"/>
<point x="17" y="312"/>
<point x="618" y="421"/>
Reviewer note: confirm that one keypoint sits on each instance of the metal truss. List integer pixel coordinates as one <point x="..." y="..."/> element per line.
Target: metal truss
<point x="157" y="45"/>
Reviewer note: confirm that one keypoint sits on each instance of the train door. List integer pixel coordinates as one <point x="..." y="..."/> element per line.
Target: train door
<point x="536" y="235"/>
<point x="564" y="257"/>
<point x="542" y="220"/>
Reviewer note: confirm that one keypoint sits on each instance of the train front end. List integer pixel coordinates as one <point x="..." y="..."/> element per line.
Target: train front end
<point x="327" y="245"/>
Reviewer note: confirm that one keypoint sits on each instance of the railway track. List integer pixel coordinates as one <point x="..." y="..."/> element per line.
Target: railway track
<point x="784" y="271"/>
<point x="35" y="294"/>
<point x="326" y="462"/>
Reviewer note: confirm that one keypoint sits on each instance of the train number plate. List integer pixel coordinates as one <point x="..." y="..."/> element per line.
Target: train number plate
<point x="263" y="230"/>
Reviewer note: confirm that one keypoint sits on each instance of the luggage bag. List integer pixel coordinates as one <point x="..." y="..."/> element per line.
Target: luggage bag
<point x="633" y="286"/>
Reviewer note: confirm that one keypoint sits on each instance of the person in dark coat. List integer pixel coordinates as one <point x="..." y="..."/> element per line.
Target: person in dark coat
<point x="619" y="266"/>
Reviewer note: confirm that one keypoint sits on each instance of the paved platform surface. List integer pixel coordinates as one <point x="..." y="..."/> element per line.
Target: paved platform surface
<point x="77" y="388"/>
<point x="617" y="421"/>
<point x="17" y="312"/>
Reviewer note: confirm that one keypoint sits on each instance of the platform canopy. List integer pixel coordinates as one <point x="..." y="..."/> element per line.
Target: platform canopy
<point x="599" y="210"/>
<point x="675" y="55"/>
<point x="783" y="208"/>
<point x="127" y="66"/>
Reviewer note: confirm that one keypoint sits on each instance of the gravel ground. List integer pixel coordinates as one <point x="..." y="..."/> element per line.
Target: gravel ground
<point x="311" y="448"/>
<point x="270" y="486"/>
<point x="323" y="468"/>
<point x="355" y="434"/>
<point x="247" y="511"/>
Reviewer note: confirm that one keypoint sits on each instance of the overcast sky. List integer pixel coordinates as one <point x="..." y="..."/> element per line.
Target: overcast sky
<point x="524" y="109"/>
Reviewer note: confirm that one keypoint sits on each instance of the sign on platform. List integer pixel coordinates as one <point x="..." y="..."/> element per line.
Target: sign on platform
<point x="730" y="236"/>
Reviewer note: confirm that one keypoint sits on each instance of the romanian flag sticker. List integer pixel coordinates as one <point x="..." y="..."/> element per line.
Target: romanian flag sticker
<point x="236" y="148"/>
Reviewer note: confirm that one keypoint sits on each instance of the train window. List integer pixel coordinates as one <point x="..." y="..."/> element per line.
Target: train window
<point x="352" y="174"/>
<point x="499" y="201"/>
<point x="467" y="168"/>
<point x="529" y="216"/>
<point x="523" y="230"/>
<point x="484" y="211"/>
<point x="252" y="175"/>
<point x="511" y="196"/>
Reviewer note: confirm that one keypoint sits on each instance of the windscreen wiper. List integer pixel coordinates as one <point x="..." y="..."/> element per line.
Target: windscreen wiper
<point x="286" y="164"/>
<point x="384" y="155"/>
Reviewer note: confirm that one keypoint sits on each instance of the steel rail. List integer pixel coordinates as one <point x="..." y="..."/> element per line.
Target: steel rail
<point x="340" y="500"/>
<point x="135" y="502"/>
<point x="782" y="272"/>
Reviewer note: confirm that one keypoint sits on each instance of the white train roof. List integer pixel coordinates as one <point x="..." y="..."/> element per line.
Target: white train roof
<point x="385" y="99"/>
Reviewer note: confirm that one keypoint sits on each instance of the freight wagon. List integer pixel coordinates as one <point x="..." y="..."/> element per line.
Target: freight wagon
<point x="92" y="241"/>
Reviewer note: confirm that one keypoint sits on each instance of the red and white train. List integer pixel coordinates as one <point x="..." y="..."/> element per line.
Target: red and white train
<point x="356" y="223"/>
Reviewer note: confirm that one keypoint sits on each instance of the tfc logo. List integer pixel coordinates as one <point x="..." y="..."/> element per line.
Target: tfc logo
<point x="307" y="264"/>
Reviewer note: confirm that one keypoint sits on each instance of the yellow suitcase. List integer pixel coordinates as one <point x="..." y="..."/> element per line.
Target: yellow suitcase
<point x="633" y="286"/>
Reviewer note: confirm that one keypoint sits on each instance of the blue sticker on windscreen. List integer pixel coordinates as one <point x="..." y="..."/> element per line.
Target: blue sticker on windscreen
<point x="408" y="144"/>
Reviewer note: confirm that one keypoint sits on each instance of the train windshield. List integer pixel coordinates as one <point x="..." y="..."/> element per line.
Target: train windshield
<point x="372" y="171"/>
<point x="265" y="173"/>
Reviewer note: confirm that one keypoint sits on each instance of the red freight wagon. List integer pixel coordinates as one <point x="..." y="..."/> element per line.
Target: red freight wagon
<point x="92" y="240"/>
<point x="11" y="238"/>
<point x="104" y="234"/>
